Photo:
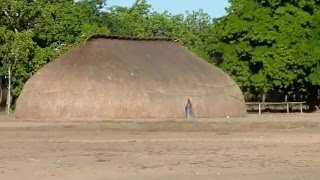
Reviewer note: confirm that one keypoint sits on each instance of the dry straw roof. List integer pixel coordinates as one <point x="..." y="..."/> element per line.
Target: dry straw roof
<point x="113" y="77"/>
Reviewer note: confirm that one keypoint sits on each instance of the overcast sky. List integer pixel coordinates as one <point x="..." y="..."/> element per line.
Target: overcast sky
<point x="215" y="8"/>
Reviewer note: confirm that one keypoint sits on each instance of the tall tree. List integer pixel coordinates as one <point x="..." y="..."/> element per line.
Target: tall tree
<point x="33" y="32"/>
<point x="269" y="45"/>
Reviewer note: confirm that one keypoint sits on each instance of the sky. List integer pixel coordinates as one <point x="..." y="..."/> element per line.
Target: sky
<point x="215" y="8"/>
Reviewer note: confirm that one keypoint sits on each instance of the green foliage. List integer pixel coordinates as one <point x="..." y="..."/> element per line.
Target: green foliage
<point x="139" y="20"/>
<point x="33" y="32"/>
<point x="268" y="45"/>
<point x="265" y="45"/>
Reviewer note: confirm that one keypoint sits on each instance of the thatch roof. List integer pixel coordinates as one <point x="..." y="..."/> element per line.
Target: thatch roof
<point x="132" y="38"/>
<point x="113" y="77"/>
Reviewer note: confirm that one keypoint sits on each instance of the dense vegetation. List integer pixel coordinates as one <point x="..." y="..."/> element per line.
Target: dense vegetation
<point x="267" y="46"/>
<point x="270" y="46"/>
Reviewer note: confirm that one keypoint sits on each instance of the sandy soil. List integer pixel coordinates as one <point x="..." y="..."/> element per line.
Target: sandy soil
<point x="256" y="147"/>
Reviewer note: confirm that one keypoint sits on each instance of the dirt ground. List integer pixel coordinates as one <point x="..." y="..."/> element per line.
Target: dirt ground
<point x="256" y="147"/>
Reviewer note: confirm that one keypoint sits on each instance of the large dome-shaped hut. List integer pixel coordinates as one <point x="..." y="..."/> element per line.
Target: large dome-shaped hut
<point x="128" y="78"/>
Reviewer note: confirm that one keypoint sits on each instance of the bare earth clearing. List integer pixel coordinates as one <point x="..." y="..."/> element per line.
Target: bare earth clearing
<point x="256" y="147"/>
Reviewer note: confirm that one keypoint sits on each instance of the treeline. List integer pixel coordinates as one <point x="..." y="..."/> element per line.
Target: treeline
<point x="267" y="46"/>
<point x="270" y="47"/>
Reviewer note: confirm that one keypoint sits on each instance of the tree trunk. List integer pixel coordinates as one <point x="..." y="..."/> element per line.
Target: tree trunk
<point x="313" y="99"/>
<point x="0" y="95"/>
<point x="264" y="96"/>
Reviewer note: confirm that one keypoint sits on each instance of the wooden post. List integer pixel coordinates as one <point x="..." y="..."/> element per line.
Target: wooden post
<point x="288" y="108"/>
<point x="301" y="108"/>
<point x="259" y="108"/>
<point x="9" y="92"/>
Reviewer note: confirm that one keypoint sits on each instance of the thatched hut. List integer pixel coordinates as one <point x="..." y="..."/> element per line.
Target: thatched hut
<point x="128" y="78"/>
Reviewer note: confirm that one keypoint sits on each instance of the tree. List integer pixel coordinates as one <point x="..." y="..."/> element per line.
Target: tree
<point x="33" y="32"/>
<point x="129" y="21"/>
<point x="139" y="20"/>
<point x="269" y="46"/>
